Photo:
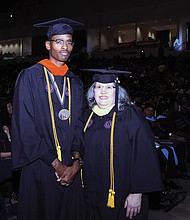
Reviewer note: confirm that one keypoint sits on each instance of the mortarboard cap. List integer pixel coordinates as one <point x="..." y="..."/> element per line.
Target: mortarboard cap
<point x="106" y="75"/>
<point x="59" y="26"/>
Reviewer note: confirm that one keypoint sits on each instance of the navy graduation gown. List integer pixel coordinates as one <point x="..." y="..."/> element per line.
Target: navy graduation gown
<point x="136" y="165"/>
<point x="33" y="147"/>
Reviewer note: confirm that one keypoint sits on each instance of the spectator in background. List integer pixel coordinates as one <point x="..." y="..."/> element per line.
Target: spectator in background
<point x="167" y="154"/>
<point x="6" y="120"/>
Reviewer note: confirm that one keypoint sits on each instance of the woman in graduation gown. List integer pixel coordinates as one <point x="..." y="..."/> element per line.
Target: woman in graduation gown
<point x="120" y="160"/>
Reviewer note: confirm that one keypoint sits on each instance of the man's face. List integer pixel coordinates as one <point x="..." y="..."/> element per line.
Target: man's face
<point x="60" y="48"/>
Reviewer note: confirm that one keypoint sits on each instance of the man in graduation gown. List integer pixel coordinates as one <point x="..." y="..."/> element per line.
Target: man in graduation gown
<point x="47" y="102"/>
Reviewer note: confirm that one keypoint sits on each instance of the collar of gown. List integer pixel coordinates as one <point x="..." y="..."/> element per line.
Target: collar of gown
<point x="55" y="70"/>
<point x="101" y="112"/>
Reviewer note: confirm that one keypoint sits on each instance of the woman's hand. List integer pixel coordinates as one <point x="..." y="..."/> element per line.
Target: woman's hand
<point x="133" y="205"/>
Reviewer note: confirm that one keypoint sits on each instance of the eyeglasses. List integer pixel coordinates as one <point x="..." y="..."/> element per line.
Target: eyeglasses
<point x="61" y="42"/>
<point x="108" y="88"/>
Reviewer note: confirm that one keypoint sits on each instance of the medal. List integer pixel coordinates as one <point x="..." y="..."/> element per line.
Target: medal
<point x="63" y="114"/>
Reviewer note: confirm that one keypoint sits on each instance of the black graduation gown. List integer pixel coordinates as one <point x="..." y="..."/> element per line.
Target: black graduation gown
<point x="33" y="147"/>
<point x="136" y="165"/>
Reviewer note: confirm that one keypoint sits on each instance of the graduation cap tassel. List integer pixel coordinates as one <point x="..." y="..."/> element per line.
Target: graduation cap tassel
<point x="111" y="194"/>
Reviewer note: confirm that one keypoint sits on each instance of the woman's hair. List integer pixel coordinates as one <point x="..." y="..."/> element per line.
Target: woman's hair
<point x="123" y="97"/>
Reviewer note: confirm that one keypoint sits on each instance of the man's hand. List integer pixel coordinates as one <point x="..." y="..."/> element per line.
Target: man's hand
<point x="133" y="205"/>
<point x="59" y="171"/>
<point x="65" y="175"/>
<point x="71" y="172"/>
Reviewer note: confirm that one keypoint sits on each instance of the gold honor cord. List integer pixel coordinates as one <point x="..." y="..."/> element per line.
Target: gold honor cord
<point x="58" y="147"/>
<point x="111" y="199"/>
<point x="111" y="194"/>
<point x="88" y="121"/>
<point x="69" y="104"/>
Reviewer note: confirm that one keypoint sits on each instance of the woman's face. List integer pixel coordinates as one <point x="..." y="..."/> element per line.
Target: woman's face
<point x="104" y="94"/>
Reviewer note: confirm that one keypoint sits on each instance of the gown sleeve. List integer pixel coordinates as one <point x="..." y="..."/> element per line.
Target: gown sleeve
<point x="27" y="144"/>
<point x="145" y="172"/>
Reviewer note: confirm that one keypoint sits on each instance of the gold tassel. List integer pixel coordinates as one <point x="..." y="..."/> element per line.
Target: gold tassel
<point x="111" y="199"/>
